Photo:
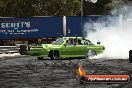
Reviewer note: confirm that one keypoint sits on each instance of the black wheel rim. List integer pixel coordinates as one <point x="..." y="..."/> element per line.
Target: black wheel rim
<point x="54" y="55"/>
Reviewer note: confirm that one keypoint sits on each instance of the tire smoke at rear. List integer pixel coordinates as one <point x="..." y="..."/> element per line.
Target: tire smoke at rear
<point x="116" y="39"/>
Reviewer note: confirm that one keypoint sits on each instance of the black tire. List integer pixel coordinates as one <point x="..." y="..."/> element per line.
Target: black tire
<point x="91" y="53"/>
<point x="40" y="58"/>
<point x="54" y="55"/>
<point x="23" y="49"/>
<point x="130" y="56"/>
<point x="82" y="80"/>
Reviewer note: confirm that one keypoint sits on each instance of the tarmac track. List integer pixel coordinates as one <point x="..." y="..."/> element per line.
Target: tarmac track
<point x="29" y="72"/>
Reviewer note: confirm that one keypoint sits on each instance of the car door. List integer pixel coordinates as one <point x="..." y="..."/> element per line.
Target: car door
<point x="80" y="47"/>
<point x="69" y="48"/>
<point x="89" y="45"/>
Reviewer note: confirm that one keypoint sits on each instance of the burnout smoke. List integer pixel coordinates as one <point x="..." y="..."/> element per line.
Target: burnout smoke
<point x="116" y="39"/>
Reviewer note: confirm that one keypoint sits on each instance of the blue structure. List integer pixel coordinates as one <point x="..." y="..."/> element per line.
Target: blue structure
<point x="41" y="27"/>
<point x="12" y="28"/>
<point x="76" y="25"/>
<point x="73" y="26"/>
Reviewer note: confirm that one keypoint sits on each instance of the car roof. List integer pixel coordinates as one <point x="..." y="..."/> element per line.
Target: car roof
<point x="72" y="37"/>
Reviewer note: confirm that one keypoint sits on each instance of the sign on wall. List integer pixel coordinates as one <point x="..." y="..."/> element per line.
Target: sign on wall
<point x="12" y="28"/>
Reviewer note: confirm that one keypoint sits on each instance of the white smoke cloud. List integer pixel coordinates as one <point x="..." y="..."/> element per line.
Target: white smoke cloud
<point x="116" y="39"/>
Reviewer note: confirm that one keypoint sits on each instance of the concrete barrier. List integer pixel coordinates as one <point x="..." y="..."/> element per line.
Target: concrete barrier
<point x="9" y="49"/>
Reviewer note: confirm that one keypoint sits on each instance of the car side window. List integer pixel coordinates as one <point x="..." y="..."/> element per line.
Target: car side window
<point x="83" y="42"/>
<point x="79" y="42"/>
<point x="86" y="42"/>
<point x="70" y="42"/>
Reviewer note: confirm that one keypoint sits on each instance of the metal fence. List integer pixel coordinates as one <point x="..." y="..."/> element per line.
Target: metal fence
<point x="9" y="49"/>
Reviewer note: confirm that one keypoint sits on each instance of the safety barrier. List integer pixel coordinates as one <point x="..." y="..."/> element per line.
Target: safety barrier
<point x="9" y="49"/>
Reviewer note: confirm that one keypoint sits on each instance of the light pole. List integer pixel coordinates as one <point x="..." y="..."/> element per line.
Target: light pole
<point x="81" y="13"/>
<point x="92" y="1"/>
<point x="81" y="8"/>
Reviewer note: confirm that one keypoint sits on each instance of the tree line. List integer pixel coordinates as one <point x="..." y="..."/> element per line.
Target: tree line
<point x="30" y="8"/>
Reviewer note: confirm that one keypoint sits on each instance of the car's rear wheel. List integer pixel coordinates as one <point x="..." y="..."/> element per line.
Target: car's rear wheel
<point x="91" y="53"/>
<point x="40" y="58"/>
<point x="54" y="55"/>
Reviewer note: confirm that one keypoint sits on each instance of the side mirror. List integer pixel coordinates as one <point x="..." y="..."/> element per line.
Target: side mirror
<point x="98" y="42"/>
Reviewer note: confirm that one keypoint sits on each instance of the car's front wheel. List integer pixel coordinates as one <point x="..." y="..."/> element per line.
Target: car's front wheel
<point x="91" y="53"/>
<point x="40" y="58"/>
<point x="54" y="55"/>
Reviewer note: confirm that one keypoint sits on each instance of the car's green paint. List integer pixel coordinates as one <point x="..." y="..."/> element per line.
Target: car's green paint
<point x="66" y="50"/>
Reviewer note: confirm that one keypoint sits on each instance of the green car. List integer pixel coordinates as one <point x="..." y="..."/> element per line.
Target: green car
<point x="66" y="47"/>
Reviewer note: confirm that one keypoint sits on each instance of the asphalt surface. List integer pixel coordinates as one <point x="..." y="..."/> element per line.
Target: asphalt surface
<point x="29" y="72"/>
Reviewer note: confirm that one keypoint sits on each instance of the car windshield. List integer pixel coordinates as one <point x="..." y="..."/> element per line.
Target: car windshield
<point x="58" y="41"/>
